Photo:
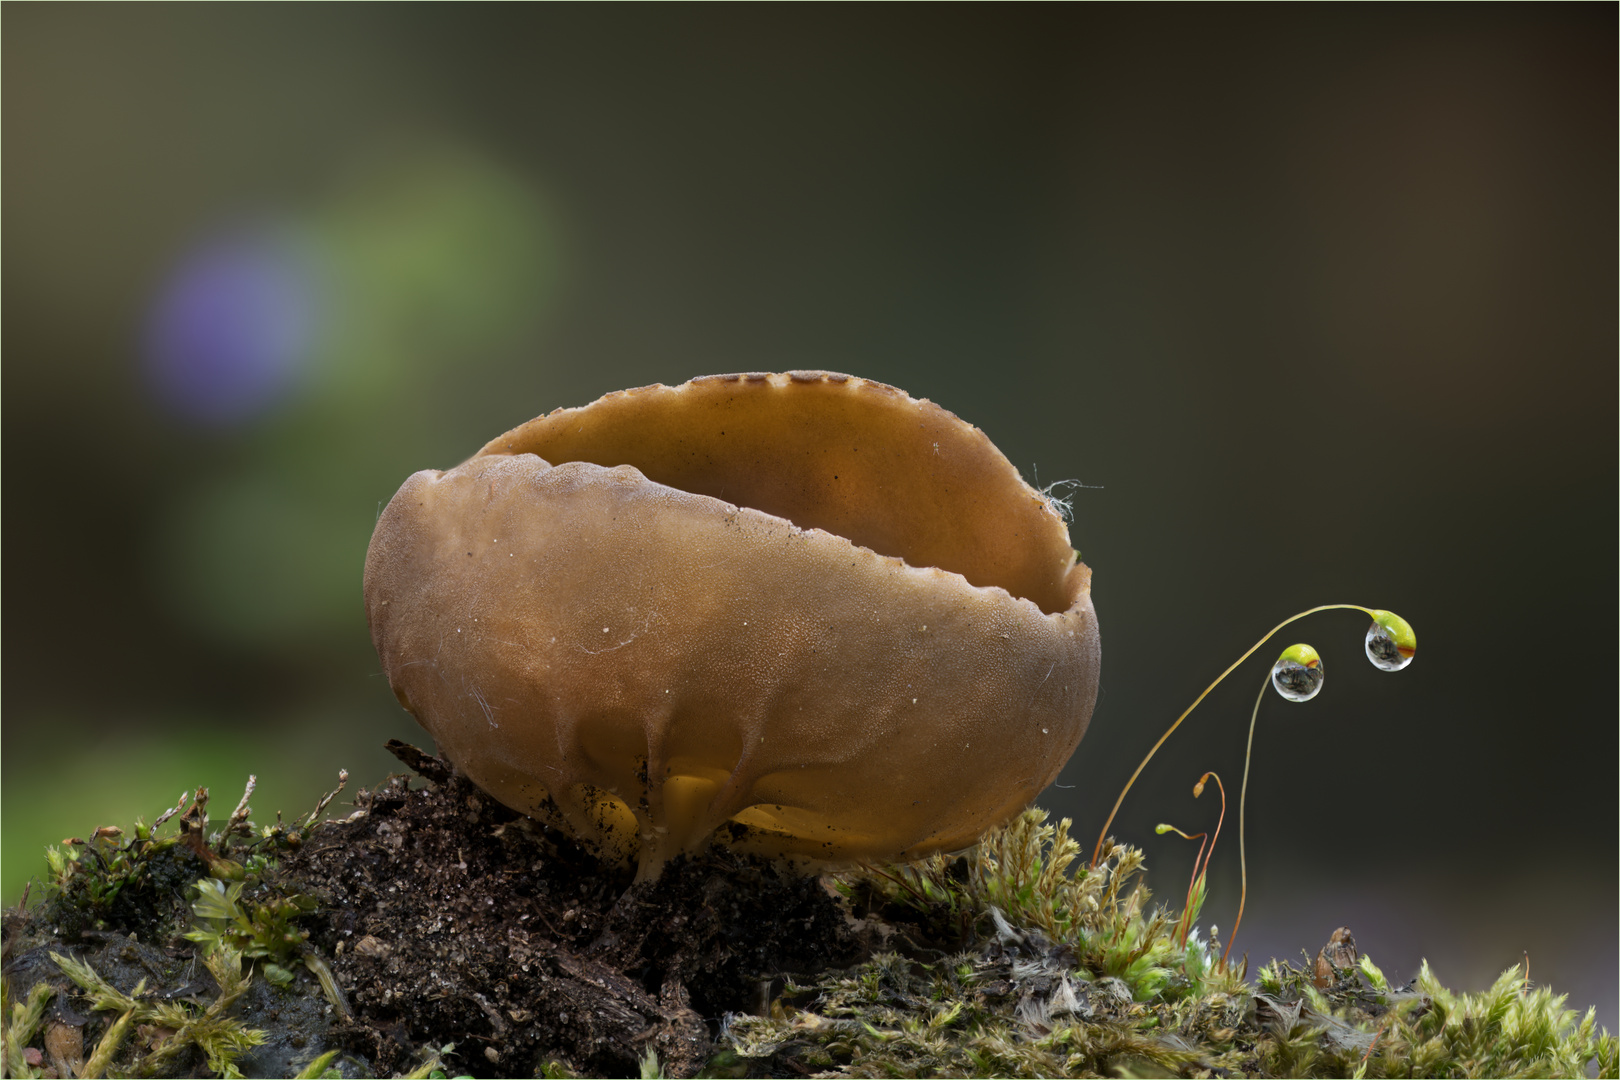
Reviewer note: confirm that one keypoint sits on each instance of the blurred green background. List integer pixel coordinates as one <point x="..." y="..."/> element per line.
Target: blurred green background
<point x="1322" y="300"/>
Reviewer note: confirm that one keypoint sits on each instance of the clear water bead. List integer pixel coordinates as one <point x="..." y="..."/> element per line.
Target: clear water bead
<point x="1298" y="673"/>
<point x="1383" y="651"/>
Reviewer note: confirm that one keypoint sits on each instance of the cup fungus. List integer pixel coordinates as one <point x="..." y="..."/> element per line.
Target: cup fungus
<point x="802" y="614"/>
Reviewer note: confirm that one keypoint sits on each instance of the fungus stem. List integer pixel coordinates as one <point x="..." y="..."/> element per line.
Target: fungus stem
<point x="1103" y="835"/>
<point x="1243" y="799"/>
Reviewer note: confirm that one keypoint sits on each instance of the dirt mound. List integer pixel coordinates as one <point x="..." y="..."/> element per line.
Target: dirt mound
<point x="452" y="919"/>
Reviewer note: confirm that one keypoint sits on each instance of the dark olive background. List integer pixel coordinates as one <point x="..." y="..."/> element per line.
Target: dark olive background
<point x="1321" y="299"/>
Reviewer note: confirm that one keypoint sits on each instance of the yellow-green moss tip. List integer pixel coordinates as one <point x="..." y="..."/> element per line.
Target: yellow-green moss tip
<point x="1304" y="654"/>
<point x="1399" y="630"/>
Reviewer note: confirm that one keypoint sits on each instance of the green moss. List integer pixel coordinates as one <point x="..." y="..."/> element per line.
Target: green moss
<point x="1360" y="1025"/>
<point x="147" y="886"/>
<point x="21" y="1024"/>
<point x="1012" y="959"/>
<point x="221" y="1038"/>
<point x="1056" y="973"/>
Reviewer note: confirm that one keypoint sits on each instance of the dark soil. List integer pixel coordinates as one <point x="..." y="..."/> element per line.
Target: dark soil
<point x="449" y="918"/>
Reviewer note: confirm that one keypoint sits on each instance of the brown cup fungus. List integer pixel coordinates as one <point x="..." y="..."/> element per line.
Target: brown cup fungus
<point x="803" y="614"/>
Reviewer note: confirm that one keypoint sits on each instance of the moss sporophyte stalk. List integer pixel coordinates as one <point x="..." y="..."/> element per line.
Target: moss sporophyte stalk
<point x="1298" y="675"/>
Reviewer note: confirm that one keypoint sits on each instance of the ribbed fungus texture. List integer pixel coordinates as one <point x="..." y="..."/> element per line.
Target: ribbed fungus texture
<point x="803" y="614"/>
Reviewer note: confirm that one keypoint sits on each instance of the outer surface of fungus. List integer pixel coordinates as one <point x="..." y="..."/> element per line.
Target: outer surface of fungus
<point x="804" y="610"/>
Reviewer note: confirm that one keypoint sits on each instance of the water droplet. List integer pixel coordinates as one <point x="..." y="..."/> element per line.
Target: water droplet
<point x="1381" y="650"/>
<point x="1298" y="673"/>
<point x="1391" y="644"/>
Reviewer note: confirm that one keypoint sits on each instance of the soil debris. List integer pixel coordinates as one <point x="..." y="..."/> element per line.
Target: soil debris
<point x="450" y="918"/>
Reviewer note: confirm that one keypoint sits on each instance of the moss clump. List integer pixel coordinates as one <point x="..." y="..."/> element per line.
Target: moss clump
<point x="220" y="1037"/>
<point x="1360" y="1025"/>
<point x="1049" y="973"/>
<point x="170" y="955"/>
<point x="1052" y="973"/>
<point x="432" y="924"/>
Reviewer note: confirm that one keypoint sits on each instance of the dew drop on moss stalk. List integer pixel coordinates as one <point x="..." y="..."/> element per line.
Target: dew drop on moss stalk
<point x="1391" y="644"/>
<point x="1298" y="673"/>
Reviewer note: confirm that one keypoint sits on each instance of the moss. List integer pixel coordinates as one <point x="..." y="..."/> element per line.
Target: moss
<point x="433" y="931"/>
<point x="1073" y="974"/>
<point x="168" y="953"/>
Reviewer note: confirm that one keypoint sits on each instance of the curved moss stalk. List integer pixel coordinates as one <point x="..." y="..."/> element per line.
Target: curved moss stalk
<point x="1102" y="835"/>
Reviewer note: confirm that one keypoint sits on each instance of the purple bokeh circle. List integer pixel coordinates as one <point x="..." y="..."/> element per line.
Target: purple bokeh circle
<point x="232" y="329"/>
